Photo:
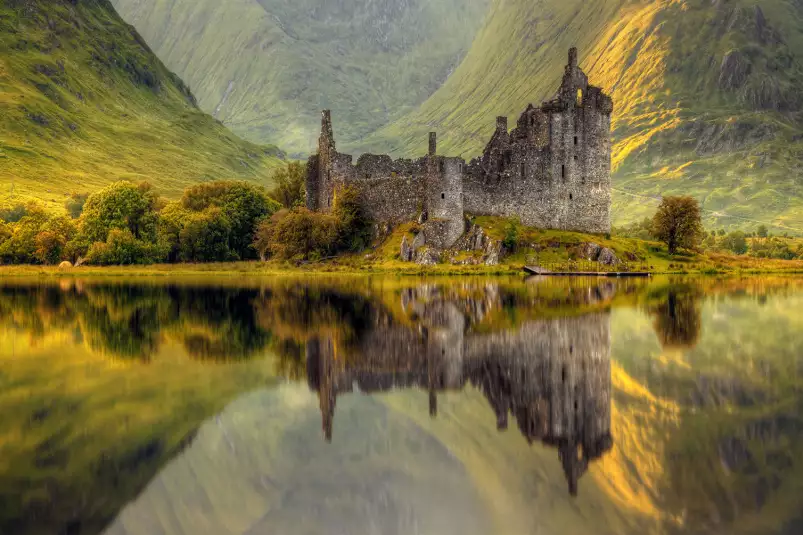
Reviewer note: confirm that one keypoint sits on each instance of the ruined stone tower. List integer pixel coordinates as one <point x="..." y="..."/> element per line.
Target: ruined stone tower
<point x="553" y="170"/>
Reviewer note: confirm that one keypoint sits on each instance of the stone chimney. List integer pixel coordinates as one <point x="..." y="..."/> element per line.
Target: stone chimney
<point x="573" y="57"/>
<point x="501" y="123"/>
<point x="433" y="143"/>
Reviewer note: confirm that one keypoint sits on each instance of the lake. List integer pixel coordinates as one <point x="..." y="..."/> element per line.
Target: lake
<point x="382" y="405"/>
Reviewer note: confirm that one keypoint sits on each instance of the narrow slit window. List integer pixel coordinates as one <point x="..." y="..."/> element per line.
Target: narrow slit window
<point x="443" y="195"/>
<point x="575" y="140"/>
<point x="570" y="196"/>
<point x="522" y="168"/>
<point x="563" y="171"/>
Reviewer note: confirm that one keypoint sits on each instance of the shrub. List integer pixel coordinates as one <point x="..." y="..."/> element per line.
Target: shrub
<point x="736" y="242"/>
<point x="297" y="234"/>
<point x="511" y="238"/>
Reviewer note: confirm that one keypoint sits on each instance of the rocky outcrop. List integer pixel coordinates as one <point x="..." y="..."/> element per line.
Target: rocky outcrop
<point x="733" y="71"/>
<point x="406" y="253"/>
<point x="597" y="253"/>
<point x="428" y="256"/>
<point x="493" y="251"/>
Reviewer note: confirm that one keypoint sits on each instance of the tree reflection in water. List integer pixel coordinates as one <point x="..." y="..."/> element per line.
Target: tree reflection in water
<point x="538" y="352"/>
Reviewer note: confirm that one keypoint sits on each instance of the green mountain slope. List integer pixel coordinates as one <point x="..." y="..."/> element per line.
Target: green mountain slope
<point x="267" y="67"/>
<point x="84" y="102"/>
<point x="706" y="94"/>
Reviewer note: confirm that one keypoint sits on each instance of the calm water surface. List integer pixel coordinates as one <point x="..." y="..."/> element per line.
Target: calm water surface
<point x="401" y="406"/>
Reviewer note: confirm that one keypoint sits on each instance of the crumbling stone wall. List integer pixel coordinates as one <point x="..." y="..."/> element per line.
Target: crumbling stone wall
<point x="553" y="170"/>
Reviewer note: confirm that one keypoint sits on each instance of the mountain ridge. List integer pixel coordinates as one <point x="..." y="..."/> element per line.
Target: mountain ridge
<point x="267" y="67"/>
<point x="85" y="102"/>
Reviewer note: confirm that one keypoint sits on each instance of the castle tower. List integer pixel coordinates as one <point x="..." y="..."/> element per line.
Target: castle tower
<point x="319" y="167"/>
<point x="580" y="145"/>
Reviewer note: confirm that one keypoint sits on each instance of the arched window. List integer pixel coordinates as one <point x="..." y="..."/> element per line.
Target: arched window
<point x="579" y="98"/>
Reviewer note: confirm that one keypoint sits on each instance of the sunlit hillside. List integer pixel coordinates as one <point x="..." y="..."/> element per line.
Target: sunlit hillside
<point x="706" y="97"/>
<point x="84" y="102"/>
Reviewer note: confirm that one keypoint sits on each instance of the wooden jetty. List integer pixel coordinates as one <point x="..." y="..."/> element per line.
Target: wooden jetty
<point x="537" y="270"/>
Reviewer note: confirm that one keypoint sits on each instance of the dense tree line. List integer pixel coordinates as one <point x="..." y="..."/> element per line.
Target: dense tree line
<point x="127" y="223"/>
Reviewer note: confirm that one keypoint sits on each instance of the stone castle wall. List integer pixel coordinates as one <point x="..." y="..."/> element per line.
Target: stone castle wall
<point x="551" y="171"/>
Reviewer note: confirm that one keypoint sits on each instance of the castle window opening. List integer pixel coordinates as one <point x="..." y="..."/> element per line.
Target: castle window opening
<point x="579" y="98"/>
<point x="563" y="171"/>
<point x="443" y="195"/>
<point x="570" y="196"/>
<point x="522" y="168"/>
<point x="575" y="140"/>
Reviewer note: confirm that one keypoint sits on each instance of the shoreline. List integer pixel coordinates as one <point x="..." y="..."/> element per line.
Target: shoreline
<point x="276" y="269"/>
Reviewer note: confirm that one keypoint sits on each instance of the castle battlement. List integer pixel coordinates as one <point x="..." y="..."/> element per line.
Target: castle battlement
<point x="553" y="170"/>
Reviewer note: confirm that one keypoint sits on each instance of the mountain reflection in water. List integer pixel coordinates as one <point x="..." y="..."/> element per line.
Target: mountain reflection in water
<point x="679" y="400"/>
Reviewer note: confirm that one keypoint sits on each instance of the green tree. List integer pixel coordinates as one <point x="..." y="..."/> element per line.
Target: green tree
<point x="51" y="242"/>
<point x="290" y="185"/>
<point x="511" y="239"/>
<point x="205" y="237"/>
<point x="121" y="206"/>
<point x="244" y="204"/>
<point x="75" y="204"/>
<point x="678" y="223"/>
<point x="354" y="226"/>
<point x="297" y="234"/>
<point x="122" y="248"/>
<point x="735" y="242"/>
<point x="20" y="246"/>
<point x="761" y="231"/>
<point x="13" y="213"/>
<point x="172" y="219"/>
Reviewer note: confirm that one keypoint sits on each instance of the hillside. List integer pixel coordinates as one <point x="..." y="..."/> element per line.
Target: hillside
<point x="267" y="67"/>
<point x="706" y="98"/>
<point x="84" y="102"/>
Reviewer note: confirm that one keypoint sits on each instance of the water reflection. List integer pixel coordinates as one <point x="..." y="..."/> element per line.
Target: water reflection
<point x="553" y="376"/>
<point x="698" y="382"/>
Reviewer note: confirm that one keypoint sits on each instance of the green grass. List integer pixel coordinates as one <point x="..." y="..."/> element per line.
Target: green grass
<point x="84" y="102"/>
<point x="267" y="67"/>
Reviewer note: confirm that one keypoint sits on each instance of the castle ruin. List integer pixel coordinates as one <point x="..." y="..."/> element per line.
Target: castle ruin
<point x="553" y="170"/>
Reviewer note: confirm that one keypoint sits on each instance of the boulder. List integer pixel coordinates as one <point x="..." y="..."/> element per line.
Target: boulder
<point x="406" y="252"/>
<point x="590" y="251"/>
<point x="419" y="241"/>
<point x="65" y="266"/>
<point x="428" y="257"/>
<point x="608" y="258"/>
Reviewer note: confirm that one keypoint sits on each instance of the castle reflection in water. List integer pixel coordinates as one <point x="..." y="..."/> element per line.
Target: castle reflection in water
<point x="552" y="375"/>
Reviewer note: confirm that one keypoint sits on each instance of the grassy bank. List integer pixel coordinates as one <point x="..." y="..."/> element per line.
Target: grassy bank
<point x="558" y="250"/>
